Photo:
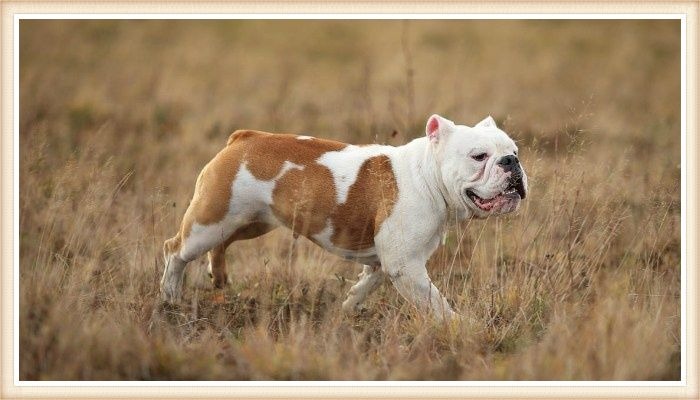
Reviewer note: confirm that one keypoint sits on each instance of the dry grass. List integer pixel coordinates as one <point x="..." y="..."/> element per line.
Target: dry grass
<point x="118" y="117"/>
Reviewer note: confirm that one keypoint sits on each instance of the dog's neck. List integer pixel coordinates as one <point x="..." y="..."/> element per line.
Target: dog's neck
<point x="426" y="175"/>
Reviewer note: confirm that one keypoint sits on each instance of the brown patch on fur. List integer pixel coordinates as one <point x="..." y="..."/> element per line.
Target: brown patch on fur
<point x="305" y="200"/>
<point x="370" y="201"/>
<point x="265" y="157"/>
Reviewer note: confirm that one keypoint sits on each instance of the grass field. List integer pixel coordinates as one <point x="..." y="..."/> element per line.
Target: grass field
<point x="118" y="117"/>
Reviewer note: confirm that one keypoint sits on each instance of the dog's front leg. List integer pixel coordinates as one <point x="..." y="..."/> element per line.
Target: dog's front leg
<point x="413" y="283"/>
<point x="369" y="279"/>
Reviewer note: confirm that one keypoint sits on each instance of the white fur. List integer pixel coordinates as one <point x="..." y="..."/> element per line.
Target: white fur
<point x="304" y="137"/>
<point x="487" y="122"/>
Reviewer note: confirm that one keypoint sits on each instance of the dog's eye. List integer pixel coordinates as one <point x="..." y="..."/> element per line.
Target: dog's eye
<point x="480" y="156"/>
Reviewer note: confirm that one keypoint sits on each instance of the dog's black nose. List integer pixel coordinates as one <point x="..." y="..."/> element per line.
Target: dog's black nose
<point x="509" y="162"/>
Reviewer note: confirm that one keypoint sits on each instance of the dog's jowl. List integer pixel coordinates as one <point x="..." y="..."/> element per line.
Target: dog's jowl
<point x="382" y="206"/>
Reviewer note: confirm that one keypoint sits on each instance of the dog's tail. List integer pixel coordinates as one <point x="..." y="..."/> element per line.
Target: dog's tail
<point x="238" y="135"/>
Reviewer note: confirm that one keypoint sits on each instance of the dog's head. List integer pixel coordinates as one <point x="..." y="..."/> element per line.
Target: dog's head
<point x="479" y="166"/>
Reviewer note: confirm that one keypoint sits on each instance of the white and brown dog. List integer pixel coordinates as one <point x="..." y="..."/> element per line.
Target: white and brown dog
<point x="382" y="206"/>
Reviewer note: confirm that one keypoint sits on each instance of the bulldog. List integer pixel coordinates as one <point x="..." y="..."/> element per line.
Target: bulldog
<point x="381" y="206"/>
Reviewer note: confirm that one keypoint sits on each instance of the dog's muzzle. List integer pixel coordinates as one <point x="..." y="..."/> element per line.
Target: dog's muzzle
<point x="509" y="198"/>
<point x="510" y="163"/>
<point x="516" y="184"/>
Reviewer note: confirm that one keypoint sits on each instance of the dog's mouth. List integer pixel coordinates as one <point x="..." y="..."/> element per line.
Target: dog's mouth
<point x="512" y="193"/>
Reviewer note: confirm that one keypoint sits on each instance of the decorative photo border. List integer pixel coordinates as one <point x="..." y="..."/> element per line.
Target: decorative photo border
<point x="13" y="12"/>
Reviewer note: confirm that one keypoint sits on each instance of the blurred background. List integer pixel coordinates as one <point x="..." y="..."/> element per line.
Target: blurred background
<point x="118" y="117"/>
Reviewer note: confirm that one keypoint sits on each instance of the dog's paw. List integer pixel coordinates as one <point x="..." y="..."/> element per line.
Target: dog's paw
<point x="350" y="306"/>
<point x="170" y="295"/>
<point x="220" y="283"/>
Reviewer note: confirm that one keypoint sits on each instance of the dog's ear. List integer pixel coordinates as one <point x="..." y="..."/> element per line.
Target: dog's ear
<point x="437" y="127"/>
<point x="487" y="122"/>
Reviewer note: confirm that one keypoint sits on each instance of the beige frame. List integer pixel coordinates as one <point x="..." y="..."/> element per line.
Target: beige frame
<point x="517" y="390"/>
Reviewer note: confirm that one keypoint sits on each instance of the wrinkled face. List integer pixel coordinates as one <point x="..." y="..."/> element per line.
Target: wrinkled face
<point x="479" y="166"/>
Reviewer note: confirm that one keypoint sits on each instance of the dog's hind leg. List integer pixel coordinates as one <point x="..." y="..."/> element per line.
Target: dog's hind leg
<point x="193" y="240"/>
<point x="216" y="216"/>
<point x="178" y="252"/>
<point x="217" y="266"/>
<point x="171" y="282"/>
<point x="369" y="279"/>
<point x="217" y="255"/>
